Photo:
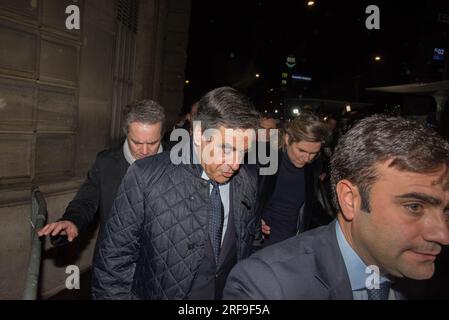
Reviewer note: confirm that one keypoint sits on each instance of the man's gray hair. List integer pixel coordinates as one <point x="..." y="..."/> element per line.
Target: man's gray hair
<point x="143" y="111"/>
<point x="226" y="107"/>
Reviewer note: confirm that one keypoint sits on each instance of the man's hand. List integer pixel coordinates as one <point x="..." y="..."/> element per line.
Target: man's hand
<point x="63" y="227"/>
<point x="266" y="230"/>
<point x="323" y="176"/>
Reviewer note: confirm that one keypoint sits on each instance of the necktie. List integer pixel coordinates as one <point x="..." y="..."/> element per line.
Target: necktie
<point x="381" y="293"/>
<point x="216" y="219"/>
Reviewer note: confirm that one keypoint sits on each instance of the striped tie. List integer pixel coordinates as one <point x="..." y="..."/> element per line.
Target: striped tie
<point x="216" y="219"/>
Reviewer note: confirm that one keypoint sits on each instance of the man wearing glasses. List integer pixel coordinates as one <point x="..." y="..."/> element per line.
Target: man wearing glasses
<point x="285" y="200"/>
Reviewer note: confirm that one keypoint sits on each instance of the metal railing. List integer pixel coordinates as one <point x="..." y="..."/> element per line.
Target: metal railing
<point x="38" y="218"/>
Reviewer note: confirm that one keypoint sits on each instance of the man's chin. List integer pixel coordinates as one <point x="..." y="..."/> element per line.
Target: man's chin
<point x="299" y="165"/>
<point x="423" y="274"/>
<point x="223" y="179"/>
<point x="419" y="271"/>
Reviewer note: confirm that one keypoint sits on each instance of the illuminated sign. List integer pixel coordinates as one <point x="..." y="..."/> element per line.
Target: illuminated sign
<point x="300" y="77"/>
<point x="438" y="54"/>
<point x="291" y="61"/>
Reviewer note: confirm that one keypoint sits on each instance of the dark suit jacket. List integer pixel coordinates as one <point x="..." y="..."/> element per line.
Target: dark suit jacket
<point x="98" y="191"/>
<point x="308" y="266"/>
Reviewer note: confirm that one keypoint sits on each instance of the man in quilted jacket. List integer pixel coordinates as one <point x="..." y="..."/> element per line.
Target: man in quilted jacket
<point x="182" y="219"/>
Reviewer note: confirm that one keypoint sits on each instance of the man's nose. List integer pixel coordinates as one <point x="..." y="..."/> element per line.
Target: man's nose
<point x="305" y="157"/>
<point x="145" y="149"/>
<point x="437" y="229"/>
<point x="309" y="157"/>
<point x="235" y="166"/>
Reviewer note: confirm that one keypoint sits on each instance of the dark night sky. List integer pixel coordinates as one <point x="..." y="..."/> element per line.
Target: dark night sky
<point x="230" y="41"/>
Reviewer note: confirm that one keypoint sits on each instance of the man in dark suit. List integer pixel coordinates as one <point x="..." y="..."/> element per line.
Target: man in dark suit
<point x="180" y="223"/>
<point x="142" y="123"/>
<point x="390" y="179"/>
<point x="286" y="198"/>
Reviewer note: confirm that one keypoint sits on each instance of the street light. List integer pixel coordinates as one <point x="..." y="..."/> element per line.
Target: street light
<point x="310" y="3"/>
<point x="187" y="81"/>
<point x="348" y="108"/>
<point x="276" y="111"/>
<point x="257" y="75"/>
<point x="377" y="58"/>
<point x="295" y="111"/>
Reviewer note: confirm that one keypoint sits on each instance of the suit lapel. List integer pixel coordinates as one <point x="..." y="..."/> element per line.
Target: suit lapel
<point x="309" y="183"/>
<point x="122" y="164"/>
<point x="331" y="269"/>
<point x="304" y="216"/>
<point x="267" y="184"/>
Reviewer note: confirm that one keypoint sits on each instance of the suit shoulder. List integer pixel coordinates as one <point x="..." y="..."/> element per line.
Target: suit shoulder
<point x="159" y="159"/>
<point x="153" y="166"/>
<point x="110" y="153"/>
<point x="281" y="251"/>
<point x="294" y="247"/>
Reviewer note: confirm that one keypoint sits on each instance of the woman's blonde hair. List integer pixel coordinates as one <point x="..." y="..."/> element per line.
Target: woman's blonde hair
<point x="305" y="127"/>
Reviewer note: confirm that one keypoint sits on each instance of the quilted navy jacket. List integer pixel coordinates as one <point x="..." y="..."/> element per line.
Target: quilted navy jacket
<point x="153" y="242"/>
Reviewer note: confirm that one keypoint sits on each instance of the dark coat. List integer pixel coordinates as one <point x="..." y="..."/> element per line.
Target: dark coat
<point x="98" y="191"/>
<point x="305" y="267"/>
<point x="154" y="241"/>
<point x="267" y="183"/>
<point x="308" y="266"/>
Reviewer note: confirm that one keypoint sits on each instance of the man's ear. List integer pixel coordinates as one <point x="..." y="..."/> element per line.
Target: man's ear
<point x="348" y="199"/>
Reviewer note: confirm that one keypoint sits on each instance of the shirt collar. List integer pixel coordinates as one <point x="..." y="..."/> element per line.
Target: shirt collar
<point x="356" y="268"/>
<point x="128" y="155"/>
<point x="204" y="175"/>
<point x="221" y="185"/>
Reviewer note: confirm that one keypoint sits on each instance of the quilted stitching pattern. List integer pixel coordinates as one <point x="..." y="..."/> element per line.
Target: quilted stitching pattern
<point x="153" y="241"/>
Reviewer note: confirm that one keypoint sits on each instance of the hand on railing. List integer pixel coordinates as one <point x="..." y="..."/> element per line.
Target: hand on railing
<point x="63" y="227"/>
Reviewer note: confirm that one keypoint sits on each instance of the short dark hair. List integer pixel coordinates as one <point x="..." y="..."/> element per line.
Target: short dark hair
<point x="144" y="111"/>
<point x="379" y="138"/>
<point x="306" y="127"/>
<point x="226" y="107"/>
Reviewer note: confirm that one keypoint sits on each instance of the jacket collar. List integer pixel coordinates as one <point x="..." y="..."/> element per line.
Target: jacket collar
<point x="191" y="162"/>
<point x="333" y="276"/>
